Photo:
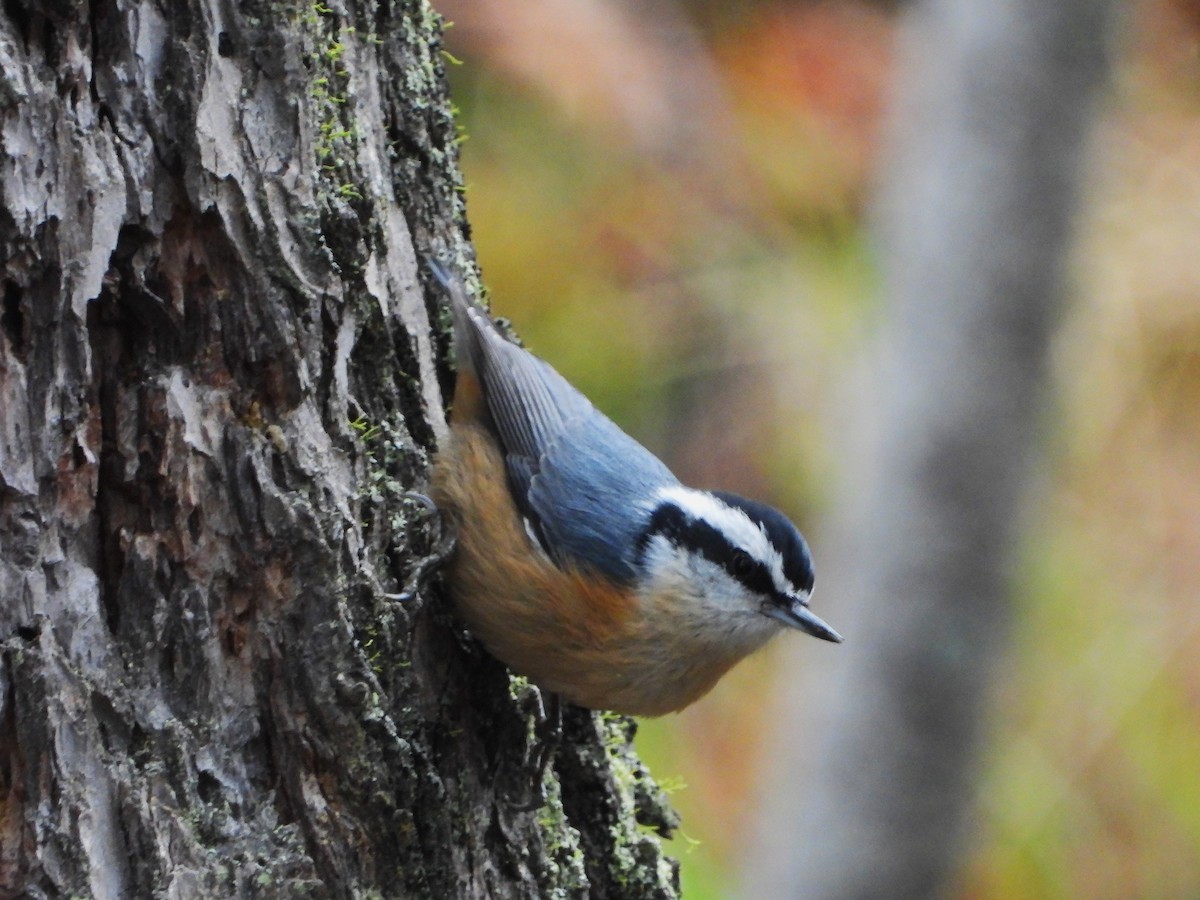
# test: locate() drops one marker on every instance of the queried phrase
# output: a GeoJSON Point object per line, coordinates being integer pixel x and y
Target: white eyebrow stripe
{"type": "Point", "coordinates": [741, 530]}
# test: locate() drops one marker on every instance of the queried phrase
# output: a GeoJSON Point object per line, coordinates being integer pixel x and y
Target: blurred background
{"type": "Point", "coordinates": [674, 202]}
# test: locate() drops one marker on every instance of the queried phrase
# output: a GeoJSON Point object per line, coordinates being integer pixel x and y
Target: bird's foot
{"type": "Point", "coordinates": [443, 544]}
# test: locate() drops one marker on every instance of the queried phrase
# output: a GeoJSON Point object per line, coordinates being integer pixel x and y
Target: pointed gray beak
{"type": "Point", "coordinates": [794, 613]}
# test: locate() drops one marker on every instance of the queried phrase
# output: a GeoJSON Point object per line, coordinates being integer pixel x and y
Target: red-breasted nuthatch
{"type": "Point", "coordinates": [581, 561]}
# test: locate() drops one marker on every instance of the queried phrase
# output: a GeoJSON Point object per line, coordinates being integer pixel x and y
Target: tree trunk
{"type": "Point", "coordinates": [870, 796]}
{"type": "Point", "coordinates": [219, 374]}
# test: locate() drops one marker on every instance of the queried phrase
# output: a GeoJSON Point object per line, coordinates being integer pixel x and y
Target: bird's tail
{"type": "Point", "coordinates": [469, 316]}
{"type": "Point", "coordinates": [471, 323]}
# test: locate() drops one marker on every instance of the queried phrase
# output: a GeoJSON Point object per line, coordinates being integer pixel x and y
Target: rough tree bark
{"type": "Point", "coordinates": [991, 125]}
{"type": "Point", "coordinates": [219, 373]}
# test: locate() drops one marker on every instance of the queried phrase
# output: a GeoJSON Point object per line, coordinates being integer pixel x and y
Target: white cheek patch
{"type": "Point", "coordinates": [689, 575]}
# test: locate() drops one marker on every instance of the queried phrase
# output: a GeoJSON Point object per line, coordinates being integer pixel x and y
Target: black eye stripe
{"type": "Point", "coordinates": [797, 562]}
{"type": "Point", "coordinates": [673, 523]}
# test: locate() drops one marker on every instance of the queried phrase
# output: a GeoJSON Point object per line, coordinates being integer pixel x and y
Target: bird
{"type": "Point", "coordinates": [580, 561]}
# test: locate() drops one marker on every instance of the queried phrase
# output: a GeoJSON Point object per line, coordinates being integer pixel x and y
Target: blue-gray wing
{"type": "Point", "coordinates": [582, 484]}
{"type": "Point", "coordinates": [529, 402]}
{"type": "Point", "coordinates": [593, 494]}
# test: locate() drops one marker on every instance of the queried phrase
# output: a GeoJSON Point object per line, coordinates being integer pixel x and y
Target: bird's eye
{"type": "Point", "coordinates": [741, 564]}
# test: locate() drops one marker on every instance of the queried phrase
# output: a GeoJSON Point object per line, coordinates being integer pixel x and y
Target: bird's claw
{"type": "Point", "coordinates": [548, 734]}
{"type": "Point", "coordinates": [443, 546]}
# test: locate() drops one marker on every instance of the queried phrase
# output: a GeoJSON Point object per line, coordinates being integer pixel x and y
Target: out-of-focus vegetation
{"type": "Point", "coordinates": [670, 202]}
